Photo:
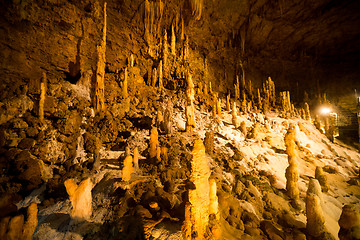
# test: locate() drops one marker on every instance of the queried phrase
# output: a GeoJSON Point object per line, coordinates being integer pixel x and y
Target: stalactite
{"type": "Point", "coordinates": [161, 75]}
{"type": "Point", "coordinates": [165, 52]}
{"type": "Point", "coordinates": [154, 77]}
{"type": "Point", "coordinates": [154, 142]}
{"type": "Point", "coordinates": [147, 22]}
{"type": "Point", "coordinates": [80, 198]}
{"type": "Point", "coordinates": [43, 86]}
{"type": "Point", "coordinates": [196, 7]}
{"type": "Point", "coordinates": [173, 41]}
{"type": "Point", "coordinates": [128, 168]}
{"type": "Point", "coordinates": [131, 60]}
{"type": "Point", "coordinates": [186, 48]}
{"type": "Point", "coordinates": [182, 35]}
{"type": "Point", "coordinates": [99, 100]}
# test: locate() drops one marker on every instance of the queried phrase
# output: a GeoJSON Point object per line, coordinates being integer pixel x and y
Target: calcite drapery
{"type": "Point", "coordinates": [80, 198]}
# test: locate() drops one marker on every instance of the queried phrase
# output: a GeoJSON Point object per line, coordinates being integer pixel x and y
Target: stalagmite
{"type": "Point", "coordinates": [349, 223]}
{"type": "Point", "coordinates": [314, 187]}
{"type": "Point", "coordinates": [243, 128]}
{"type": "Point", "coordinates": [235, 120]}
{"type": "Point", "coordinates": [31, 222]}
{"type": "Point", "coordinates": [99, 100]}
{"type": "Point", "coordinates": [128, 168]}
{"type": "Point", "coordinates": [314, 215]}
{"type": "Point", "coordinates": [132, 60]}
{"type": "Point", "coordinates": [218, 107]}
{"type": "Point", "coordinates": [214, 205]}
{"type": "Point", "coordinates": [322, 178]}
{"type": "Point", "coordinates": [15, 227]}
{"type": "Point", "coordinates": [173, 41]}
{"type": "Point", "coordinates": [125, 84]}
{"type": "Point", "coordinates": [80, 198]}
{"type": "Point", "coordinates": [291, 173]}
{"type": "Point", "coordinates": [160, 75]}
{"type": "Point", "coordinates": [228, 108]}
{"type": "Point", "coordinates": [43, 87]}
{"type": "Point", "coordinates": [199, 197]}
{"type": "Point", "coordinates": [243, 102]}
{"type": "Point", "coordinates": [307, 112]}
{"type": "Point", "coordinates": [259, 100]}
{"type": "Point", "coordinates": [136, 159]}
{"type": "Point", "coordinates": [154, 142]}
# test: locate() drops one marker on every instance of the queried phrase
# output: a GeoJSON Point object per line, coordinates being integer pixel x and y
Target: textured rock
{"type": "Point", "coordinates": [80, 198]}
{"type": "Point", "coordinates": [154, 143]}
{"type": "Point", "coordinates": [349, 223]}
{"type": "Point", "coordinates": [128, 168]}
{"type": "Point", "coordinates": [322, 178]}
{"type": "Point", "coordinates": [314, 215]}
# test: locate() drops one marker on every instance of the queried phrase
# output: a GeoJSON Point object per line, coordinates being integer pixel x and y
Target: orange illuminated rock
{"type": "Point", "coordinates": [154, 142]}
{"type": "Point", "coordinates": [235, 120]}
{"type": "Point", "coordinates": [80, 198]}
{"type": "Point", "coordinates": [199, 197]}
{"type": "Point", "coordinates": [128, 168]}
{"type": "Point", "coordinates": [228, 103]}
{"type": "Point", "coordinates": [349, 223]}
{"type": "Point", "coordinates": [314, 215]}
{"type": "Point", "coordinates": [322, 178]}
{"type": "Point", "coordinates": [43, 84]}
{"type": "Point", "coordinates": [31, 222]}
{"type": "Point", "coordinates": [214, 204]}
{"type": "Point", "coordinates": [136, 159]}
{"type": "Point", "coordinates": [291, 173]}
{"type": "Point", "coordinates": [190, 117]}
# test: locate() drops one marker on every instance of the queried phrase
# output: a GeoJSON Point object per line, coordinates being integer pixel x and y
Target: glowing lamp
{"type": "Point", "coordinates": [325, 110]}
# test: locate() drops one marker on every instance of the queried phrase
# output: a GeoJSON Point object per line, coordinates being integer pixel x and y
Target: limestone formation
{"type": "Point", "coordinates": [136, 159]}
{"type": "Point", "coordinates": [218, 107]}
{"type": "Point", "coordinates": [80, 198]}
{"type": "Point", "coordinates": [173, 41]}
{"type": "Point", "coordinates": [43, 87]}
{"type": "Point", "coordinates": [196, 8]}
{"type": "Point", "coordinates": [314, 188]}
{"type": "Point", "coordinates": [125, 84]}
{"type": "Point", "coordinates": [190, 117]}
{"type": "Point", "coordinates": [154, 143]}
{"type": "Point", "coordinates": [160, 75]}
{"type": "Point", "coordinates": [259, 100]}
{"type": "Point", "coordinates": [15, 228]}
{"type": "Point", "coordinates": [307, 112]}
{"type": "Point", "coordinates": [322, 178]}
{"type": "Point", "coordinates": [228, 109]}
{"type": "Point", "coordinates": [243, 128]}
{"type": "Point", "coordinates": [291, 173]}
{"type": "Point", "coordinates": [31, 222]}
{"type": "Point", "coordinates": [349, 223]}
{"type": "Point", "coordinates": [314, 215]}
{"type": "Point", "coordinates": [154, 77]}
{"type": "Point", "coordinates": [99, 100]}
{"type": "Point", "coordinates": [214, 205]}
{"type": "Point", "coordinates": [209, 142]}
{"type": "Point", "coordinates": [235, 120]}
{"type": "Point", "coordinates": [237, 88]}
{"type": "Point", "coordinates": [197, 213]}
{"type": "Point", "coordinates": [128, 168]}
